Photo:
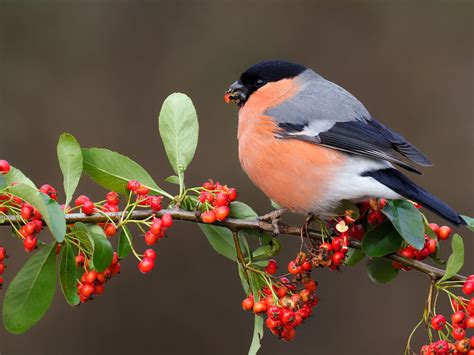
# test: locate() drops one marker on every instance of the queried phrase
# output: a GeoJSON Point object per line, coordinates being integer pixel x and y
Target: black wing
{"type": "Point", "coordinates": [364, 137]}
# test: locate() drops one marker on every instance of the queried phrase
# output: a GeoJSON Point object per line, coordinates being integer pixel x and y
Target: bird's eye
{"type": "Point", "coordinates": [260, 82]}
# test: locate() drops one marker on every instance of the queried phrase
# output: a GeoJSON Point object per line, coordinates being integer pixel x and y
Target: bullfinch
{"type": "Point", "coordinates": [308, 144]}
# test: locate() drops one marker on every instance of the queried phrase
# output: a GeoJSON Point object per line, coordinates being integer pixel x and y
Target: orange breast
{"type": "Point", "coordinates": [291, 172]}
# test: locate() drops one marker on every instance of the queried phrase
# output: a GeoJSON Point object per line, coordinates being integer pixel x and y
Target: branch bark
{"type": "Point", "coordinates": [236, 224]}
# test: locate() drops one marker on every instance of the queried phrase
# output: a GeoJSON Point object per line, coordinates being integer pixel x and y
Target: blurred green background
{"type": "Point", "coordinates": [101, 69]}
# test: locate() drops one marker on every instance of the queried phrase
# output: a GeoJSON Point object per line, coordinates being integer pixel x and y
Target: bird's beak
{"type": "Point", "coordinates": [237, 93]}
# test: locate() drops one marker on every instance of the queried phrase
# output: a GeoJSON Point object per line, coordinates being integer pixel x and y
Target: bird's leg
{"type": "Point", "coordinates": [309, 218]}
{"type": "Point", "coordinates": [273, 217]}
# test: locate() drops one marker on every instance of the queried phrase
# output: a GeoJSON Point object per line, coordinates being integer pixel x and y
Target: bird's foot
{"type": "Point", "coordinates": [309, 219]}
{"type": "Point", "coordinates": [273, 217]}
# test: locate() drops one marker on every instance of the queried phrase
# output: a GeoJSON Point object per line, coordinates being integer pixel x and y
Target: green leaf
{"type": "Point", "coordinates": [70, 162]}
{"type": "Point", "coordinates": [124, 246]}
{"type": "Point", "coordinates": [67, 275]}
{"type": "Point", "coordinates": [428, 231]}
{"type": "Point", "coordinates": [241, 210]}
{"type": "Point", "coordinates": [243, 280]}
{"type": "Point", "coordinates": [382, 240]}
{"type": "Point", "coordinates": [3, 182]}
{"type": "Point", "coordinates": [101, 247]}
{"type": "Point", "coordinates": [173, 179]}
{"type": "Point", "coordinates": [354, 256]}
{"type": "Point", "coordinates": [113, 171]}
{"type": "Point", "coordinates": [221, 240]}
{"type": "Point", "coordinates": [49, 209]}
{"type": "Point", "coordinates": [16, 176]}
{"type": "Point", "coordinates": [267, 251]}
{"type": "Point", "coordinates": [407, 220]}
{"type": "Point", "coordinates": [31, 291]}
{"type": "Point", "coordinates": [380, 270]}
{"type": "Point", "coordinates": [456, 259]}
{"type": "Point", "coordinates": [469, 221]}
{"type": "Point", "coordinates": [257, 335]}
{"type": "Point", "coordinates": [179, 130]}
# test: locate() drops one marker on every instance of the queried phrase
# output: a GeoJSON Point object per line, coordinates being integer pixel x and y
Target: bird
{"type": "Point", "coordinates": [309, 144]}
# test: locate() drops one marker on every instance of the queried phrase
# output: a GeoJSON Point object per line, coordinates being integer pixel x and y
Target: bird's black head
{"type": "Point", "coordinates": [259, 75]}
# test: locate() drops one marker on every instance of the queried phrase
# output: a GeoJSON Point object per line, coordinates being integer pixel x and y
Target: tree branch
{"type": "Point", "coordinates": [234, 225]}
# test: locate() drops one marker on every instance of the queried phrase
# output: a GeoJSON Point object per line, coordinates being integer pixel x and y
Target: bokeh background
{"type": "Point", "coordinates": [100, 70]}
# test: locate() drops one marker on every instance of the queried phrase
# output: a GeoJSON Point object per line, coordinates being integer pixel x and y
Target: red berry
{"type": "Point", "coordinates": [2, 268]}
{"type": "Point", "coordinates": [337, 258]}
{"type": "Point", "coordinates": [208, 217]}
{"type": "Point", "coordinates": [293, 268]}
{"type": "Point", "coordinates": [80, 200]}
{"type": "Point", "coordinates": [146, 265]}
{"type": "Point", "coordinates": [221, 199]}
{"type": "Point", "coordinates": [288, 317]}
{"type": "Point", "coordinates": [458, 318]}
{"type": "Point", "coordinates": [222, 212]}
{"type": "Point", "coordinates": [470, 322]}
{"type": "Point", "coordinates": [327, 246]}
{"type": "Point", "coordinates": [167, 220]}
{"type": "Point", "coordinates": [88, 207]}
{"type": "Point", "coordinates": [4, 167]}
{"type": "Point", "coordinates": [149, 254]}
{"type": "Point", "coordinates": [112, 198]}
{"type": "Point", "coordinates": [3, 253]}
{"type": "Point", "coordinates": [311, 286]}
{"type": "Point", "coordinates": [272, 324]}
{"type": "Point", "coordinates": [458, 333]}
{"type": "Point", "coordinates": [281, 292]}
{"type": "Point", "coordinates": [90, 276]}
{"type": "Point", "coordinates": [434, 227]}
{"type": "Point", "coordinates": [306, 266]}
{"type": "Point", "coordinates": [288, 334]}
{"type": "Point", "coordinates": [30, 243]}
{"type": "Point", "coordinates": [444, 232]}
{"type": "Point", "coordinates": [431, 246]}
{"type": "Point", "coordinates": [156, 227]}
{"type": "Point", "coordinates": [99, 289]}
{"type": "Point", "coordinates": [468, 287]}
{"type": "Point", "coordinates": [232, 194]}
{"type": "Point", "coordinates": [80, 260]}
{"type": "Point", "coordinates": [407, 253]}
{"type": "Point", "coordinates": [155, 203]}
{"type": "Point", "coordinates": [110, 230]}
{"type": "Point", "coordinates": [260, 307]}
{"type": "Point", "coordinates": [87, 290]}
{"type": "Point", "coordinates": [438, 322]}
{"type": "Point", "coordinates": [274, 312]}
{"type": "Point", "coordinates": [463, 346]}
{"type": "Point", "coordinates": [247, 303]}
{"type": "Point", "coordinates": [133, 185]}
{"type": "Point", "coordinates": [150, 238]}
{"type": "Point", "coordinates": [26, 212]}
{"type": "Point", "coordinates": [142, 190]}
{"type": "Point", "coordinates": [271, 267]}
{"type": "Point", "coordinates": [375, 217]}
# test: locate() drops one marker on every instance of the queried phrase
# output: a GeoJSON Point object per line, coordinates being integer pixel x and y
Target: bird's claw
{"type": "Point", "coordinates": [273, 217]}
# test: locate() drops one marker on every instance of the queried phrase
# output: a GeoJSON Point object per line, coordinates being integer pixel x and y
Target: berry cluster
{"type": "Point", "coordinates": [3, 256]}
{"type": "Point", "coordinates": [462, 319]}
{"type": "Point", "coordinates": [430, 247]}
{"type": "Point", "coordinates": [31, 219]}
{"type": "Point", "coordinates": [143, 197]}
{"type": "Point", "coordinates": [288, 303]}
{"type": "Point", "coordinates": [214, 200]}
{"type": "Point", "coordinates": [330, 253]}
{"type": "Point", "coordinates": [92, 282]}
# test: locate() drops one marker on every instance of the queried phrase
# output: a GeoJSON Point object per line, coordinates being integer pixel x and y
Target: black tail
{"type": "Point", "coordinates": [399, 183]}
